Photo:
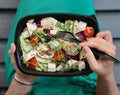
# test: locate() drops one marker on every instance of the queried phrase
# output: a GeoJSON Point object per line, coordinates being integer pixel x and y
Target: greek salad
{"type": "Point", "coordinates": [41, 51]}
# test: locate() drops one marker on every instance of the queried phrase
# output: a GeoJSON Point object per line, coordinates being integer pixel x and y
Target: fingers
{"type": "Point", "coordinates": [90, 57]}
{"type": "Point", "coordinates": [12, 49]}
{"type": "Point", "coordinates": [106, 35]}
{"type": "Point", "coordinates": [22, 76]}
{"type": "Point", "coordinates": [100, 44]}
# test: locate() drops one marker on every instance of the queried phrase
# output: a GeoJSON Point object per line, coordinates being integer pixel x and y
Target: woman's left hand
{"type": "Point", "coordinates": [103, 42]}
{"type": "Point", "coordinates": [19, 74]}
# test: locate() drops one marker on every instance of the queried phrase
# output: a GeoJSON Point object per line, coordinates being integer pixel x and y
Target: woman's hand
{"type": "Point", "coordinates": [103, 42]}
{"type": "Point", "coordinates": [19, 74]}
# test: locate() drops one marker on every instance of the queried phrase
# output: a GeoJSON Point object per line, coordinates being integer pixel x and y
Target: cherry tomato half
{"type": "Point", "coordinates": [88, 32]}
{"type": "Point", "coordinates": [32, 63]}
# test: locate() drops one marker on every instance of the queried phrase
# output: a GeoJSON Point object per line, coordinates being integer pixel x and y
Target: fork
{"type": "Point", "coordinates": [68, 36]}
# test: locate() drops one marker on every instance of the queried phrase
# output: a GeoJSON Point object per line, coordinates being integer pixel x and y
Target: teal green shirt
{"type": "Point", "coordinates": [76, 85]}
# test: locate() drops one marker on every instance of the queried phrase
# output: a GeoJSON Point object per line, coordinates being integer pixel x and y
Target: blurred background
{"type": "Point", "coordinates": [108, 14]}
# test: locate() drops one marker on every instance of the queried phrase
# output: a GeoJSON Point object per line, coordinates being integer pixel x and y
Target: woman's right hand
{"type": "Point", "coordinates": [21, 76]}
{"type": "Point", "coordinates": [103, 42]}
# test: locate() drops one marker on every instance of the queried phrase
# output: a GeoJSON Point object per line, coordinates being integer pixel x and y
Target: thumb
{"type": "Point", "coordinates": [11, 54]}
{"type": "Point", "coordinates": [90, 57]}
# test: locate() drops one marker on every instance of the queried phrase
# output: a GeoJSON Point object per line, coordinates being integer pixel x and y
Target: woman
{"type": "Point", "coordinates": [21, 84]}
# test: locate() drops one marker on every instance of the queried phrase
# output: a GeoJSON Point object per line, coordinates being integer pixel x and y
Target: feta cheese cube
{"type": "Point", "coordinates": [82, 25]}
{"type": "Point", "coordinates": [51, 67]}
{"type": "Point", "coordinates": [81, 65]}
{"type": "Point", "coordinates": [31, 28]}
{"type": "Point", "coordinates": [59, 68]}
{"type": "Point", "coordinates": [79, 26]}
{"type": "Point", "coordinates": [72, 62]}
{"type": "Point", "coordinates": [53, 32]}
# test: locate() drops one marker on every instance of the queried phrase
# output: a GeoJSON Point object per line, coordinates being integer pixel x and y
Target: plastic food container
{"type": "Point", "coordinates": [90, 20]}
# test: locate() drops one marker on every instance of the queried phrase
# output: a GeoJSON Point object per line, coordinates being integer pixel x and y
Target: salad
{"type": "Point", "coordinates": [42, 51]}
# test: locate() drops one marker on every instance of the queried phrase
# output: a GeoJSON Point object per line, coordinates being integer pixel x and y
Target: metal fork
{"type": "Point", "coordinates": [68, 36]}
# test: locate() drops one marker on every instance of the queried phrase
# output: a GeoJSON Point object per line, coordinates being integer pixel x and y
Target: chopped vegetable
{"type": "Point", "coordinates": [51, 67]}
{"type": "Point", "coordinates": [31, 28]}
{"type": "Point", "coordinates": [69, 25]}
{"type": "Point", "coordinates": [70, 48]}
{"type": "Point", "coordinates": [58, 55]}
{"type": "Point", "coordinates": [88, 32]}
{"type": "Point", "coordinates": [79, 26]}
{"type": "Point", "coordinates": [25, 45]}
{"type": "Point", "coordinates": [29, 55]}
{"type": "Point", "coordinates": [81, 36]}
{"type": "Point", "coordinates": [34, 39]}
{"type": "Point", "coordinates": [81, 65]}
{"type": "Point", "coordinates": [32, 63]}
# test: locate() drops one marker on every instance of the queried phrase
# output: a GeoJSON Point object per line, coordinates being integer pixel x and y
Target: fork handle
{"type": "Point", "coordinates": [104, 55]}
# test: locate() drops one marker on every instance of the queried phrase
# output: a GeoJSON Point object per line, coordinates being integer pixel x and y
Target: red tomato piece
{"type": "Point", "coordinates": [88, 32]}
{"type": "Point", "coordinates": [34, 39]}
{"type": "Point", "coordinates": [58, 55]}
{"type": "Point", "coordinates": [32, 63]}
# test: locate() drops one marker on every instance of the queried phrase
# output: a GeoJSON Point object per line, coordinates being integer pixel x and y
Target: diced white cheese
{"type": "Point", "coordinates": [81, 65]}
{"type": "Point", "coordinates": [79, 26]}
{"type": "Point", "coordinates": [31, 28]}
{"type": "Point", "coordinates": [30, 55]}
{"type": "Point", "coordinates": [51, 67]}
{"type": "Point", "coordinates": [53, 32]}
{"type": "Point", "coordinates": [59, 68]}
{"type": "Point", "coordinates": [82, 25]}
{"type": "Point", "coordinates": [72, 62]}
